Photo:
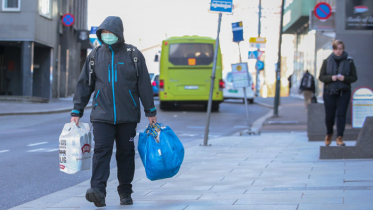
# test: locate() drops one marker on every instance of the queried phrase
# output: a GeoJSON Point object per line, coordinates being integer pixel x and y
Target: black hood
{"type": "Point", "coordinates": [114, 25]}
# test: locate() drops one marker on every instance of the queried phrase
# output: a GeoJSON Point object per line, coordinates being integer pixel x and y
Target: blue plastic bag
{"type": "Point", "coordinates": [161, 152]}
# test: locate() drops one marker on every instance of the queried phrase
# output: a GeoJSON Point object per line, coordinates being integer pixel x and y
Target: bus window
{"type": "Point", "coordinates": [181, 53]}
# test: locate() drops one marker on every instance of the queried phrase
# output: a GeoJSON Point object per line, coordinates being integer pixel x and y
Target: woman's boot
{"type": "Point", "coordinates": [340, 142]}
{"type": "Point", "coordinates": [328, 139]}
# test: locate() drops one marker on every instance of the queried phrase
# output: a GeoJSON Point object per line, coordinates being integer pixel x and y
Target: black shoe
{"type": "Point", "coordinates": [95, 196]}
{"type": "Point", "coordinates": [125, 199]}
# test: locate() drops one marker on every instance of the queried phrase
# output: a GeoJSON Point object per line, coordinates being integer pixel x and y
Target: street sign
{"type": "Point", "coordinates": [93, 37]}
{"type": "Point", "coordinates": [259, 65]}
{"type": "Point", "coordinates": [362, 106]}
{"type": "Point", "coordinates": [237, 31]}
{"type": "Point", "coordinates": [257, 40]}
{"type": "Point", "coordinates": [322, 10]}
{"type": "Point", "coordinates": [221, 6]}
{"type": "Point", "coordinates": [240, 75]}
{"type": "Point", "coordinates": [68, 20]}
{"type": "Point", "coordinates": [255, 54]}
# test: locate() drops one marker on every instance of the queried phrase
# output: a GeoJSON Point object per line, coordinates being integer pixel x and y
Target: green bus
{"type": "Point", "coordinates": [185, 72]}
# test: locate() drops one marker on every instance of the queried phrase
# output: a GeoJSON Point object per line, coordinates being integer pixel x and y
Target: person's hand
{"type": "Point", "coordinates": [334, 77]}
{"type": "Point", "coordinates": [152, 120]}
{"type": "Point", "coordinates": [341, 78]}
{"type": "Point", "coordinates": [76, 120]}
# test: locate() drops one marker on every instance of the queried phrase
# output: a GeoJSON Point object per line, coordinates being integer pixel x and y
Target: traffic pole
{"type": "Point", "coordinates": [244, 94]}
{"type": "Point", "coordinates": [257, 85]}
{"type": "Point", "coordinates": [206, 137]}
{"type": "Point", "coordinates": [278, 70]}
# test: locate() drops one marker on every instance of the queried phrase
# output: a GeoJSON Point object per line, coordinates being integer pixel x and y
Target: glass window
{"type": "Point", "coordinates": [45, 8]}
{"type": "Point", "coordinates": [191, 54]}
{"type": "Point", "coordinates": [11, 5]}
{"type": "Point", "coordinates": [151, 75]}
{"type": "Point", "coordinates": [156, 78]}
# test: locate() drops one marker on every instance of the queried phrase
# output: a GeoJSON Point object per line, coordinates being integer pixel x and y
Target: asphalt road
{"type": "Point", "coordinates": [29, 162]}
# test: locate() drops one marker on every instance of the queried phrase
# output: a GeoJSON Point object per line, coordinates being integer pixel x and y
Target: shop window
{"type": "Point", "coordinates": [12, 5]}
{"type": "Point", "coordinates": [45, 8]}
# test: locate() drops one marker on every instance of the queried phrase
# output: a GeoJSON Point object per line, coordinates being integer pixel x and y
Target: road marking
{"type": "Point", "coordinates": [186, 134]}
{"type": "Point", "coordinates": [35, 150]}
{"type": "Point", "coordinates": [35, 144]}
{"type": "Point", "coordinates": [2, 151]}
{"type": "Point", "coordinates": [52, 150]}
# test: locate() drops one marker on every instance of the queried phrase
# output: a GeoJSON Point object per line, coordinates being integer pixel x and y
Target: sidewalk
{"type": "Point", "coordinates": [268, 171]}
{"type": "Point", "coordinates": [54, 106]}
{"type": "Point", "coordinates": [292, 115]}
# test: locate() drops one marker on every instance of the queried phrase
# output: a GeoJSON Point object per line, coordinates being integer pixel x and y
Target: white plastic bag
{"type": "Point", "coordinates": [75, 148]}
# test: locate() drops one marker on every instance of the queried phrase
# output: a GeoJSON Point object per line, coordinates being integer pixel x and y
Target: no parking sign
{"type": "Point", "coordinates": [322, 11]}
{"type": "Point", "coordinates": [68, 20]}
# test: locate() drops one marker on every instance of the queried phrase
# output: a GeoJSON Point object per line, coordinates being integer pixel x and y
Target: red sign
{"type": "Point", "coordinates": [86, 148]}
{"type": "Point", "coordinates": [322, 11]}
{"type": "Point", "coordinates": [68, 20]}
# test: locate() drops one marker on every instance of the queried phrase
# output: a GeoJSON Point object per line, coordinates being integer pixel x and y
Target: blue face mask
{"type": "Point", "coordinates": [109, 38]}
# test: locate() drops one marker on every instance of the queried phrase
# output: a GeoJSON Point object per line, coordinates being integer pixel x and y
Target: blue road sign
{"type": "Point", "coordinates": [237, 31]}
{"type": "Point", "coordinates": [93, 37]}
{"type": "Point", "coordinates": [255, 54]}
{"type": "Point", "coordinates": [259, 65]}
{"type": "Point", "coordinates": [93, 30]}
{"type": "Point", "coordinates": [221, 6]}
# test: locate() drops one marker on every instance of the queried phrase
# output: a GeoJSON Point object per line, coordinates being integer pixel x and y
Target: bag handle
{"type": "Point", "coordinates": [153, 129]}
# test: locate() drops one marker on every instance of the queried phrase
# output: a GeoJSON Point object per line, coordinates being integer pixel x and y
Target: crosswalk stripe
{"type": "Point", "coordinates": [35, 144]}
{"type": "Point", "coordinates": [35, 150]}
{"type": "Point", "coordinates": [2, 151]}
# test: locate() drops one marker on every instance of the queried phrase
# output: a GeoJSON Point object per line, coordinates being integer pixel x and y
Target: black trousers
{"type": "Point", "coordinates": [336, 104]}
{"type": "Point", "coordinates": [104, 136]}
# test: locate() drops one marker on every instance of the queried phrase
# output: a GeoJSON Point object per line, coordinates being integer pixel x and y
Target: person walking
{"type": "Point", "coordinates": [337, 73]}
{"type": "Point", "coordinates": [118, 85]}
{"type": "Point", "coordinates": [307, 86]}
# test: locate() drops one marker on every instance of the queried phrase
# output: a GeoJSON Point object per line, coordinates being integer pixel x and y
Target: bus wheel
{"type": "Point", "coordinates": [164, 105]}
{"type": "Point", "coordinates": [215, 107]}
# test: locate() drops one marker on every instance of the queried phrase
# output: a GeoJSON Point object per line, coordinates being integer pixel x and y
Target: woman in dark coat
{"type": "Point", "coordinates": [338, 71]}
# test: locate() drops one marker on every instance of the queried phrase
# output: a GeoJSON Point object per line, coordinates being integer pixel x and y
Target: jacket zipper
{"type": "Point", "coordinates": [112, 78]}
{"type": "Point", "coordinates": [132, 98]}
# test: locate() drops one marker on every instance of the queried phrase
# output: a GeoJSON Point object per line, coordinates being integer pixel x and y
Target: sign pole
{"type": "Point", "coordinates": [278, 70]}
{"type": "Point", "coordinates": [205, 141]}
{"type": "Point", "coordinates": [257, 85]}
{"type": "Point", "coordinates": [244, 95]}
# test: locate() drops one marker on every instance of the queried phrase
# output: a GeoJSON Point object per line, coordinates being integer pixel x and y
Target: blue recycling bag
{"type": "Point", "coordinates": [161, 152]}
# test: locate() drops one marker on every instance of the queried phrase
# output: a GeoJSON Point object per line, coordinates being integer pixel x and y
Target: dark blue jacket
{"type": "Point", "coordinates": [117, 87]}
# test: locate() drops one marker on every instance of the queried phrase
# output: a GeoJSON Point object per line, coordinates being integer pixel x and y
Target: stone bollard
{"type": "Point", "coordinates": [362, 149]}
{"type": "Point", "coordinates": [316, 129]}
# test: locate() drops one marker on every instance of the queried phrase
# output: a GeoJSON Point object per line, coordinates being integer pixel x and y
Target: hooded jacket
{"type": "Point", "coordinates": [116, 86]}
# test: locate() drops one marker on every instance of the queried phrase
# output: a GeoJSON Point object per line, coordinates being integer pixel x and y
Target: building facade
{"type": "Point", "coordinates": [39, 56]}
{"type": "Point", "coordinates": [351, 21]}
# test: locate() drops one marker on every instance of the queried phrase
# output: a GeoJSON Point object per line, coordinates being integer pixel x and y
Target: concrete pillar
{"type": "Point", "coordinates": [27, 60]}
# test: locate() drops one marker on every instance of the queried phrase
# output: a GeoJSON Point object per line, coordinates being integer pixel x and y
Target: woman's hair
{"type": "Point", "coordinates": [336, 43]}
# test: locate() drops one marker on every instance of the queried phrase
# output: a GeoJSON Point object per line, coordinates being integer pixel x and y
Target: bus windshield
{"type": "Point", "coordinates": [201, 54]}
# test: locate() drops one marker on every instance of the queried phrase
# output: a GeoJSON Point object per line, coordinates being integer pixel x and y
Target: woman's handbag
{"type": "Point", "coordinates": [161, 152]}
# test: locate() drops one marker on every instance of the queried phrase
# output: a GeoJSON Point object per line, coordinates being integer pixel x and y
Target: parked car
{"type": "Point", "coordinates": [229, 92]}
{"type": "Point", "coordinates": [154, 79]}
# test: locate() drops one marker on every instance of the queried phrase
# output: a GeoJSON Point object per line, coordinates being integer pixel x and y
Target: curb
{"type": "Point", "coordinates": [264, 104]}
{"type": "Point", "coordinates": [41, 112]}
